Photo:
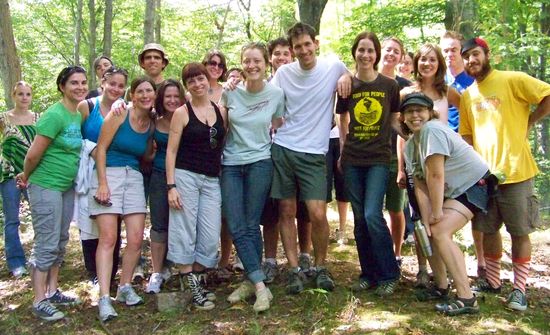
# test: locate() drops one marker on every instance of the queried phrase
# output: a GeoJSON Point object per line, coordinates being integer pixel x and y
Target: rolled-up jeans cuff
{"type": "Point", "coordinates": [256, 276]}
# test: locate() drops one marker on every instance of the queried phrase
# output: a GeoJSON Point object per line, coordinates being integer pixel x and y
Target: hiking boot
{"type": "Point", "coordinates": [517, 300]}
{"type": "Point", "coordinates": [126, 294]}
{"type": "Point", "coordinates": [192, 284]}
{"type": "Point", "coordinates": [243, 292]}
{"type": "Point", "coordinates": [432, 293]}
{"type": "Point", "coordinates": [324, 279]}
{"type": "Point", "coordinates": [422, 279]}
{"type": "Point", "coordinates": [295, 282]}
{"type": "Point", "coordinates": [46, 311]}
{"type": "Point", "coordinates": [155, 282]}
{"type": "Point", "coordinates": [387, 288]}
{"type": "Point", "coordinates": [362, 285]}
{"type": "Point", "coordinates": [458, 306]}
{"type": "Point", "coordinates": [106, 310]}
{"type": "Point", "coordinates": [263, 300]}
{"type": "Point", "coordinates": [483, 285]}
{"type": "Point", "coordinates": [271, 271]}
{"type": "Point", "coordinates": [304, 262]}
{"type": "Point", "coordinates": [60, 299]}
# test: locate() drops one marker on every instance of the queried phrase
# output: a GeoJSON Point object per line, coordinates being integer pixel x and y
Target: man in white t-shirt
{"type": "Point", "coordinates": [300, 146]}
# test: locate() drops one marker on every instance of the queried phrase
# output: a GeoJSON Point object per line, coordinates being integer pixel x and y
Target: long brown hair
{"type": "Point", "coordinates": [439, 80]}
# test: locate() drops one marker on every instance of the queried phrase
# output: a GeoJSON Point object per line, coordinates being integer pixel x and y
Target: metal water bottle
{"type": "Point", "coordinates": [422, 238]}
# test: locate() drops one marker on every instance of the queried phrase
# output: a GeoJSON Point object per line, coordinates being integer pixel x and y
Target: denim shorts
{"type": "Point", "coordinates": [158, 205]}
{"type": "Point", "coordinates": [476, 198]}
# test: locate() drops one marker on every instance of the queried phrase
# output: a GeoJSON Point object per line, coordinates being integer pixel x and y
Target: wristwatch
{"type": "Point", "coordinates": [170, 186]}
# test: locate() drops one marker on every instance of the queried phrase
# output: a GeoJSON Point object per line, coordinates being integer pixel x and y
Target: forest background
{"type": "Point", "coordinates": [39, 37]}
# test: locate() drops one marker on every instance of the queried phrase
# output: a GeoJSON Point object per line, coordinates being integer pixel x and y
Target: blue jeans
{"type": "Point", "coordinates": [11, 197]}
{"type": "Point", "coordinates": [366, 187]}
{"type": "Point", "coordinates": [244, 191]}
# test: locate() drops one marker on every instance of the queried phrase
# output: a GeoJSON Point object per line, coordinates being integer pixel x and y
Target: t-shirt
{"type": "Point", "coordinates": [460, 83]}
{"type": "Point", "coordinates": [59, 163]}
{"type": "Point", "coordinates": [14, 144]}
{"type": "Point", "coordinates": [463, 166]}
{"type": "Point", "coordinates": [309, 102]}
{"type": "Point", "coordinates": [250, 116]}
{"type": "Point", "coordinates": [495, 113]}
{"type": "Point", "coordinates": [370, 108]}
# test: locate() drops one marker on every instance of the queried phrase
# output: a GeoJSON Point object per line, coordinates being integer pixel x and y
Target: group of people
{"type": "Point", "coordinates": [254, 152]}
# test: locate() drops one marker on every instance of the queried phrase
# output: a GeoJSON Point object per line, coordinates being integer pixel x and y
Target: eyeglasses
{"type": "Point", "coordinates": [213, 141]}
{"type": "Point", "coordinates": [214, 64]}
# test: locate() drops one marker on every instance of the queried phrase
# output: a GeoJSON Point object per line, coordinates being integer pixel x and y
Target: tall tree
{"type": "Point", "coordinates": [149, 22]}
{"type": "Point", "coordinates": [10, 69]}
{"type": "Point", "coordinates": [77, 32]}
{"type": "Point", "coordinates": [92, 41]}
{"type": "Point", "coordinates": [108, 28]}
{"type": "Point", "coordinates": [461, 16]}
{"type": "Point", "coordinates": [158, 21]}
{"type": "Point", "coordinates": [310, 12]}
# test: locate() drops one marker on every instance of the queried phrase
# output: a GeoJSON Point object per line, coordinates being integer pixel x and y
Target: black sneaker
{"type": "Point", "coordinates": [62, 300]}
{"type": "Point", "coordinates": [387, 288]}
{"type": "Point", "coordinates": [191, 283]}
{"type": "Point", "coordinates": [482, 285]}
{"type": "Point", "coordinates": [295, 282]}
{"type": "Point", "coordinates": [46, 311]}
{"type": "Point", "coordinates": [362, 285]}
{"type": "Point", "coordinates": [324, 279]}
{"type": "Point", "coordinates": [432, 293]}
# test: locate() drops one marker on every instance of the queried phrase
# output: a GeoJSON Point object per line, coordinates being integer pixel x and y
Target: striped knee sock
{"type": "Point", "coordinates": [521, 272]}
{"type": "Point", "coordinates": [493, 270]}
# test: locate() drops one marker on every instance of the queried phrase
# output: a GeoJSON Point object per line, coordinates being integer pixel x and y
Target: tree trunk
{"type": "Point", "coordinates": [108, 28]}
{"type": "Point", "coordinates": [92, 42]}
{"type": "Point", "coordinates": [461, 16]}
{"type": "Point", "coordinates": [158, 22]}
{"type": "Point", "coordinates": [77, 32]}
{"type": "Point", "coordinates": [310, 12]}
{"type": "Point", "coordinates": [149, 22]}
{"type": "Point", "coordinates": [245, 11]}
{"type": "Point", "coordinates": [221, 26]}
{"type": "Point", "coordinates": [545, 123]}
{"type": "Point", "coordinates": [10, 69]}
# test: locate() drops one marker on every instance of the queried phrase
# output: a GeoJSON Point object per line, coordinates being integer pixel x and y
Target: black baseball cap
{"type": "Point", "coordinates": [416, 98]}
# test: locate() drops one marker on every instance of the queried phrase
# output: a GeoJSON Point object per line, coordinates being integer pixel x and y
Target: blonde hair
{"type": "Point", "coordinates": [20, 83]}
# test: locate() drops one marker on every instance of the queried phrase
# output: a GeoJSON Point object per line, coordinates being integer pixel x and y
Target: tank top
{"type": "Point", "coordinates": [92, 126]}
{"type": "Point", "coordinates": [127, 146]}
{"type": "Point", "coordinates": [201, 146]}
{"type": "Point", "coordinates": [161, 139]}
{"type": "Point", "coordinates": [15, 143]}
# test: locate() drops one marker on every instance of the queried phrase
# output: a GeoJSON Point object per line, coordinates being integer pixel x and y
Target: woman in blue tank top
{"type": "Point", "coordinates": [117, 189]}
{"type": "Point", "coordinates": [193, 162]}
{"type": "Point", "coordinates": [93, 111]}
{"type": "Point", "coordinates": [170, 96]}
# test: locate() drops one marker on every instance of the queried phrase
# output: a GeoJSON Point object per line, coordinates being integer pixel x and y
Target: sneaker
{"type": "Point", "coordinates": [166, 273]}
{"type": "Point", "coordinates": [106, 310]}
{"type": "Point", "coordinates": [191, 283]}
{"type": "Point", "coordinates": [409, 240]}
{"type": "Point", "coordinates": [243, 292]}
{"type": "Point", "coordinates": [263, 300]}
{"type": "Point", "coordinates": [20, 272]}
{"type": "Point", "coordinates": [483, 285]}
{"type": "Point", "coordinates": [458, 306]}
{"type": "Point", "coordinates": [238, 265]}
{"type": "Point", "coordinates": [202, 276]}
{"type": "Point", "coordinates": [138, 273]}
{"type": "Point", "coordinates": [60, 299]}
{"type": "Point", "coordinates": [341, 238]}
{"type": "Point", "coordinates": [422, 279]}
{"type": "Point", "coordinates": [432, 293]}
{"type": "Point", "coordinates": [271, 271]}
{"type": "Point", "coordinates": [295, 282]}
{"type": "Point", "coordinates": [517, 300]}
{"type": "Point", "coordinates": [126, 294]}
{"type": "Point", "coordinates": [304, 262]}
{"type": "Point", "coordinates": [324, 279]}
{"type": "Point", "coordinates": [362, 285]}
{"type": "Point", "coordinates": [46, 311]}
{"type": "Point", "coordinates": [386, 289]}
{"type": "Point", "coordinates": [155, 281]}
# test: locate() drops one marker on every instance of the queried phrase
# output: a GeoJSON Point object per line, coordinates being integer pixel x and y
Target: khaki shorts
{"type": "Point", "coordinates": [515, 205]}
{"type": "Point", "coordinates": [295, 169]}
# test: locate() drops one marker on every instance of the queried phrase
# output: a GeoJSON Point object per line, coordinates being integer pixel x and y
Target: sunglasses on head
{"type": "Point", "coordinates": [214, 63]}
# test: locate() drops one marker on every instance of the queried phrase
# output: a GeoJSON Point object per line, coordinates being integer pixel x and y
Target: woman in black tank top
{"type": "Point", "coordinates": [193, 162]}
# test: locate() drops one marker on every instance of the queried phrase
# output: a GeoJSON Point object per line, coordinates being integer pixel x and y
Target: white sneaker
{"type": "Point", "coordinates": [155, 281]}
{"type": "Point", "coordinates": [243, 292]}
{"type": "Point", "coordinates": [106, 310]}
{"type": "Point", "coordinates": [263, 299]}
{"type": "Point", "coordinates": [19, 272]}
{"type": "Point", "coordinates": [127, 295]}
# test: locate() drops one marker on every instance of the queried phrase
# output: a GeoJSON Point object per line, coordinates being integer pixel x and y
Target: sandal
{"type": "Point", "coordinates": [432, 293]}
{"type": "Point", "coordinates": [458, 306]}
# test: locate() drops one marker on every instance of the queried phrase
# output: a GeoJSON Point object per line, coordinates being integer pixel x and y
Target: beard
{"type": "Point", "coordinates": [482, 73]}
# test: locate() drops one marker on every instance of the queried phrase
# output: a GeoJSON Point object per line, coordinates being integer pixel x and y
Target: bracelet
{"type": "Point", "coordinates": [170, 186]}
